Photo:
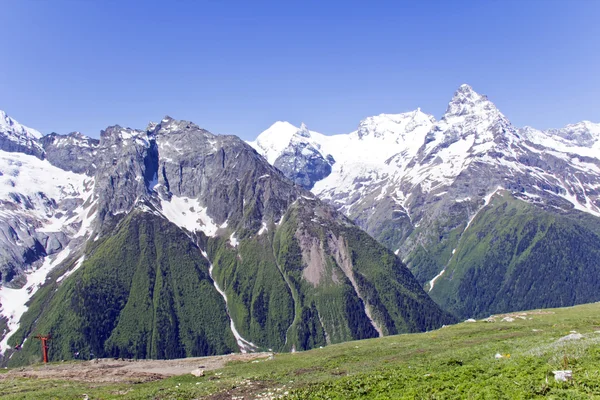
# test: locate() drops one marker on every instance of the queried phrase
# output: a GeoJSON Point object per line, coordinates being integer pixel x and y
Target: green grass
{"type": "Point", "coordinates": [453, 362]}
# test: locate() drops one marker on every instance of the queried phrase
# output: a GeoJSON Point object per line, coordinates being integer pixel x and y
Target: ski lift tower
{"type": "Point", "coordinates": [44, 339]}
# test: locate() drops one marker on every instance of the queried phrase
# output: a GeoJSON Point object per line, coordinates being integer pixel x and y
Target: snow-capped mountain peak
{"type": "Point", "coordinates": [15, 137]}
{"type": "Point", "coordinates": [8, 124]}
{"type": "Point", "coordinates": [275, 139]}
{"type": "Point", "coordinates": [584, 133]}
{"type": "Point", "coordinates": [394, 126]}
{"type": "Point", "coordinates": [303, 131]}
{"type": "Point", "coordinates": [466, 102]}
{"type": "Point", "coordinates": [472, 117]}
{"type": "Point", "coordinates": [582, 138]}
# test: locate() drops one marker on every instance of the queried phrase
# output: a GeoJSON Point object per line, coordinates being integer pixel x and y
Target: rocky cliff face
{"type": "Point", "coordinates": [295, 153]}
{"type": "Point", "coordinates": [74, 152]}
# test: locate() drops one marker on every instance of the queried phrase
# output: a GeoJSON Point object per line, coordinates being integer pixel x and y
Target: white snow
{"type": "Point", "coordinates": [41, 188]}
{"type": "Point", "coordinates": [244, 345]}
{"type": "Point", "coordinates": [263, 228]}
{"type": "Point", "coordinates": [189, 214]}
{"type": "Point", "coordinates": [274, 140]}
{"type": "Point", "coordinates": [31, 177]}
{"type": "Point", "coordinates": [435, 278]}
{"type": "Point", "coordinates": [72, 270]}
{"type": "Point", "coordinates": [15, 131]}
{"type": "Point", "coordinates": [359, 154]}
{"type": "Point", "coordinates": [13, 301]}
{"type": "Point", "coordinates": [233, 240]}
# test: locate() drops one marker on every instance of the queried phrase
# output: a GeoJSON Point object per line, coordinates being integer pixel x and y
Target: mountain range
{"type": "Point", "coordinates": [488, 217]}
{"type": "Point", "coordinates": [170, 241]}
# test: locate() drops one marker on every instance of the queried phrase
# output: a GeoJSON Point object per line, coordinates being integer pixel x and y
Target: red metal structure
{"type": "Point", "coordinates": [44, 340]}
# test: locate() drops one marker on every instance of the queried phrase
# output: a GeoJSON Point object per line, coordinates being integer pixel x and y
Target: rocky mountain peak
{"type": "Point", "coordinates": [303, 131]}
{"type": "Point", "coordinates": [71, 152]}
{"type": "Point", "coordinates": [118, 134]}
{"type": "Point", "coordinates": [471, 115]}
{"type": "Point", "coordinates": [151, 126]}
{"type": "Point", "coordinates": [467, 101]}
{"type": "Point", "coordinates": [169, 125]}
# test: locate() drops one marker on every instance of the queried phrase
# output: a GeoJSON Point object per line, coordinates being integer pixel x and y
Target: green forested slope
{"type": "Point", "coordinates": [517, 256]}
{"type": "Point", "coordinates": [275, 305]}
{"type": "Point", "coordinates": [143, 292]}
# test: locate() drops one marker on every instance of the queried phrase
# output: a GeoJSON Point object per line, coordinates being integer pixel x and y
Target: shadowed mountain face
{"type": "Point", "coordinates": [417, 185]}
{"type": "Point", "coordinates": [178, 242]}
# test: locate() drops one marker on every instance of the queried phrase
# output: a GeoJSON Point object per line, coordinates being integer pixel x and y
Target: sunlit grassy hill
{"type": "Point", "coordinates": [458, 361]}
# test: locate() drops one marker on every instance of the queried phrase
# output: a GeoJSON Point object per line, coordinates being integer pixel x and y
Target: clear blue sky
{"type": "Point", "coordinates": [238, 67]}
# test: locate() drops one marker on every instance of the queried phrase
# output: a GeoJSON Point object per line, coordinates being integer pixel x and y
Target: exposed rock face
{"type": "Point", "coordinates": [304, 165]}
{"type": "Point", "coordinates": [74, 152]}
{"type": "Point", "coordinates": [22, 247]}
{"type": "Point", "coordinates": [225, 174]}
{"type": "Point", "coordinates": [121, 175]}
{"type": "Point", "coordinates": [295, 152]}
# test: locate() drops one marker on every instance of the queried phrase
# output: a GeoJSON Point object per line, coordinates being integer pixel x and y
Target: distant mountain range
{"type": "Point", "coordinates": [489, 217]}
{"type": "Point", "coordinates": [171, 242]}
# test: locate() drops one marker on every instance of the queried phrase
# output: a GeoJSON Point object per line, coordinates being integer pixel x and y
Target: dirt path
{"type": "Point", "coordinates": [111, 370]}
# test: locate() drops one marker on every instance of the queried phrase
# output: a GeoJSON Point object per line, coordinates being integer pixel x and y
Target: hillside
{"type": "Point", "coordinates": [454, 362]}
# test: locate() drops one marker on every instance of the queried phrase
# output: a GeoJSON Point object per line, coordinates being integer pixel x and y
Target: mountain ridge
{"type": "Point", "coordinates": [253, 238]}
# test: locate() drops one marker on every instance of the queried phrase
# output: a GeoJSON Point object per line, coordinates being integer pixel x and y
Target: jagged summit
{"type": "Point", "coordinates": [582, 138]}
{"type": "Point", "coordinates": [303, 131]}
{"type": "Point", "coordinates": [467, 101]}
{"type": "Point", "coordinates": [170, 125]}
{"type": "Point", "coordinates": [584, 132]}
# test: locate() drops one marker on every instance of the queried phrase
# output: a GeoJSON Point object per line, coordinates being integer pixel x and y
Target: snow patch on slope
{"type": "Point", "coordinates": [244, 345]}
{"type": "Point", "coordinates": [189, 214]}
{"type": "Point", "coordinates": [435, 278]}
{"type": "Point", "coordinates": [13, 301]}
